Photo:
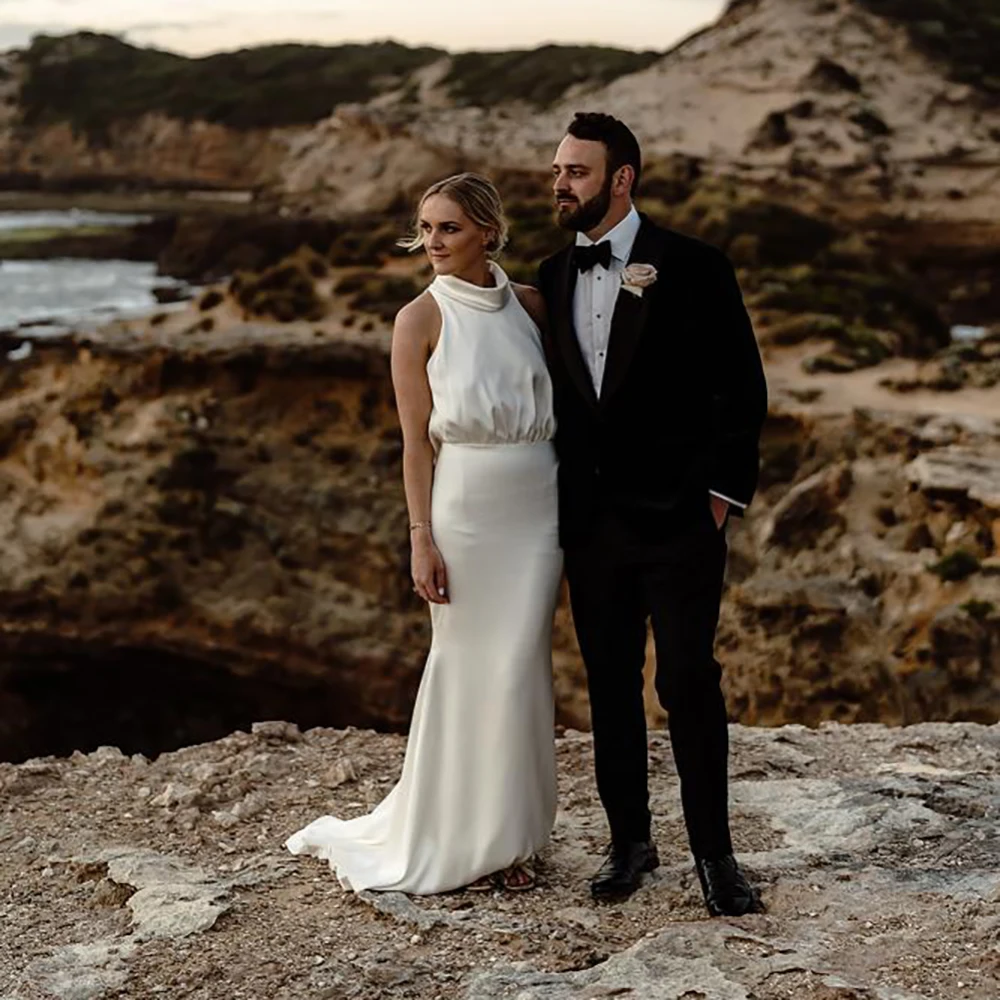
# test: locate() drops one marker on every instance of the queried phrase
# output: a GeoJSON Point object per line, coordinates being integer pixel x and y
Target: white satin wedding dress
{"type": "Point", "coordinates": [478, 787]}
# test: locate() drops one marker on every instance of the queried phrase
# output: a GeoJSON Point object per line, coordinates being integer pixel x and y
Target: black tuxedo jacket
{"type": "Point", "coordinates": [682, 401]}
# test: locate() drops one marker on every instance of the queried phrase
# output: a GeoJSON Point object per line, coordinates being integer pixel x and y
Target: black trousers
{"type": "Point", "coordinates": [616, 583]}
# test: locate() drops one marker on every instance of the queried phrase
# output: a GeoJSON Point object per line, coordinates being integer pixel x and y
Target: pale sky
{"type": "Point", "coordinates": [199, 26]}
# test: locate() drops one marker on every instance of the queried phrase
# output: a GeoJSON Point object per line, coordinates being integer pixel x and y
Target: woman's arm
{"type": "Point", "coordinates": [417, 328]}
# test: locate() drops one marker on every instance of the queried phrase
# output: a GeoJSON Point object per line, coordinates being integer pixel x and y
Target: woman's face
{"type": "Point", "coordinates": [453, 242]}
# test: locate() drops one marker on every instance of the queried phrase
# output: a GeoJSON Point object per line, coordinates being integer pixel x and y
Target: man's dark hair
{"type": "Point", "coordinates": [617, 137]}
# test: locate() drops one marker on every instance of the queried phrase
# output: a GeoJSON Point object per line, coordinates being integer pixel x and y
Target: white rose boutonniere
{"type": "Point", "coordinates": [638, 277]}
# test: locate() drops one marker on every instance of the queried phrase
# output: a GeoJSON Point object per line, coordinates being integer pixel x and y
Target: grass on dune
{"type": "Point", "coordinates": [41, 234]}
{"type": "Point", "coordinates": [963, 34]}
{"type": "Point", "coordinates": [94, 81]}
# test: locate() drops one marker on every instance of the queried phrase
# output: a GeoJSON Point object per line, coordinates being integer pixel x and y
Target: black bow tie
{"type": "Point", "coordinates": [586, 257]}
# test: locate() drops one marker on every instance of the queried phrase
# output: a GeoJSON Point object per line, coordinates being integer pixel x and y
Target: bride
{"type": "Point", "coordinates": [477, 796]}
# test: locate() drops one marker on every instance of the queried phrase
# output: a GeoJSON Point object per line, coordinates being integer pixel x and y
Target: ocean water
{"type": "Point", "coordinates": [71, 219]}
{"type": "Point", "coordinates": [46, 297]}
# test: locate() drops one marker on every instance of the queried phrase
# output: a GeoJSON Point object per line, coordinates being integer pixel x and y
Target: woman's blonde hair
{"type": "Point", "coordinates": [478, 198]}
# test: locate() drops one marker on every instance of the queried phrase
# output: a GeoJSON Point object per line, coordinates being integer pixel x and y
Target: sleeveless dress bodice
{"type": "Point", "coordinates": [488, 379]}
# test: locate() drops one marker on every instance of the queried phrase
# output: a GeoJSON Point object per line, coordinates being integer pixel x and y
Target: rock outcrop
{"type": "Point", "coordinates": [876, 849]}
{"type": "Point", "coordinates": [203, 524]}
{"type": "Point", "coordinates": [184, 519]}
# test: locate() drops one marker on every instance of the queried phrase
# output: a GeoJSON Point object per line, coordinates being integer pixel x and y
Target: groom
{"type": "Point", "coordinates": [660, 397]}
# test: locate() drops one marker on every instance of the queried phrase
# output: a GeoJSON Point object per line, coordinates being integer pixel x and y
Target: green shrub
{"type": "Point", "coordinates": [538, 76]}
{"type": "Point", "coordinates": [670, 181]}
{"type": "Point", "coordinates": [831, 361]}
{"type": "Point", "coordinates": [861, 299]}
{"type": "Point", "coordinates": [799, 328]}
{"type": "Point", "coordinates": [381, 294]}
{"type": "Point", "coordinates": [964, 35]}
{"type": "Point", "coordinates": [314, 263]}
{"type": "Point", "coordinates": [207, 247]}
{"type": "Point", "coordinates": [955, 566]}
{"type": "Point", "coordinates": [94, 80]}
{"type": "Point", "coordinates": [364, 246]}
{"type": "Point", "coordinates": [980, 610]}
{"type": "Point", "coordinates": [721, 211]}
{"type": "Point", "coordinates": [355, 281]}
{"type": "Point", "coordinates": [534, 236]}
{"type": "Point", "coordinates": [210, 300]}
{"type": "Point", "coordinates": [285, 292]}
{"type": "Point", "coordinates": [867, 346]}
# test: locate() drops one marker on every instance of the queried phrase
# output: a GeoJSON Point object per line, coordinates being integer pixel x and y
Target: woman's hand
{"type": "Point", "coordinates": [430, 578]}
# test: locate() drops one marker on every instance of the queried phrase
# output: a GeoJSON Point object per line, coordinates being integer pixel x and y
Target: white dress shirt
{"type": "Point", "coordinates": [594, 302]}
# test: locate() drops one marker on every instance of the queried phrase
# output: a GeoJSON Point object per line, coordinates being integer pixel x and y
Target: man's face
{"type": "Point", "coordinates": [581, 183]}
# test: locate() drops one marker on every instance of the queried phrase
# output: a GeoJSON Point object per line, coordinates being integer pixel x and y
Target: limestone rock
{"type": "Point", "coordinates": [809, 508]}
{"type": "Point", "coordinates": [876, 849]}
{"type": "Point", "coordinates": [959, 471]}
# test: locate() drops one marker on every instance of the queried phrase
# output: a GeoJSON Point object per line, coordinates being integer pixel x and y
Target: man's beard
{"type": "Point", "coordinates": [582, 218]}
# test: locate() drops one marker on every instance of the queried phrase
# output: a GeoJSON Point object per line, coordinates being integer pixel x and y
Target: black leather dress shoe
{"type": "Point", "coordinates": [620, 875]}
{"type": "Point", "coordinates": [726, 889]}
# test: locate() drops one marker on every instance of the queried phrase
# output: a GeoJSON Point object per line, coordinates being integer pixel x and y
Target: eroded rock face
{"type": "Point", "coordinates": [854, 594]}
{"type": "Point", "coordinates": [156, 151]}
{"type": "Point", "coordinates": [876, 850]}
{"type": "Point", "coordinates": [177, 521]}
{"type": "Point", "coordinates": [206, 528]}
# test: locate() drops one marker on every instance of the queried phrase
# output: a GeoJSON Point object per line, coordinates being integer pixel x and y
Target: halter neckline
{"type": "Point", "coordinates": [488, 299]}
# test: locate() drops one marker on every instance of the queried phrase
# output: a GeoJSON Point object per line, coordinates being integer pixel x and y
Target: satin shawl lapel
{"type": "Point", "coordinates": [565, 334]}
{"type": "Point", "coordinates": [630, 313]}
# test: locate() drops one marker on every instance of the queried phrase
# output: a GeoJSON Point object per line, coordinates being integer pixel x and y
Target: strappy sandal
{"type": "Point", "coordinates": [519, 878]}
{"type": "Point", "coordinates": [485, 884]}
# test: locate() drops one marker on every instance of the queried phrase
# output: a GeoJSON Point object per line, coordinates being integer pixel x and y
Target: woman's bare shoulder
{"type": "Point", "coordinates": [419, 319]}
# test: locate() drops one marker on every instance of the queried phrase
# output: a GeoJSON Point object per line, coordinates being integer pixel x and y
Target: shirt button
{"type": "Point", "coordinates": [598, 315]}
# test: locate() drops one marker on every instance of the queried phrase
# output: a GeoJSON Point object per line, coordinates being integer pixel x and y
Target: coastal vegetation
{"type": "Point", "coordinates": [963, 34]}
{"type": "Point", "coordinates": [30, 242]}
{"type": "Point", "coordinates": [285, 292]}
{"type": "Point", "coordinates": [956, 566]}
{"type": "Point", "coordinates": [538, 76]}
{"type": "Point", "coordinates": [381, 294]}
{"type": "Point", "coordinates": [805, 278]}
{"type": "Point", "coordinates": [94, 81]}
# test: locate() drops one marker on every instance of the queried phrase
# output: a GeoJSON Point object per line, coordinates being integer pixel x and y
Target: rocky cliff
{"type": "Point", "coordinates": [876, 849]}
{"type": "Point", "coordinates": [202, 514]}
{"type": "Point", "coordinates": [203, 524]}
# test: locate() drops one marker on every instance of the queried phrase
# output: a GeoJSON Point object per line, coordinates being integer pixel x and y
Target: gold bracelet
{"type": "Point", "coordinates": [419, 524]}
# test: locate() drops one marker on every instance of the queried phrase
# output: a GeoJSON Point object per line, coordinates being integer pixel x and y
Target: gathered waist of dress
{"type": "Point", "coordinates": [496, 445]}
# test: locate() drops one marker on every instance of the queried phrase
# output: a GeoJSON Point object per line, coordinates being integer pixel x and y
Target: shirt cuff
{"type": "Point", "coordinates": [722, 496]}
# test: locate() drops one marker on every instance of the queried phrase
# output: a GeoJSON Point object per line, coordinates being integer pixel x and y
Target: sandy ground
{"type": "Point", "coordinates": [842, 393]}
